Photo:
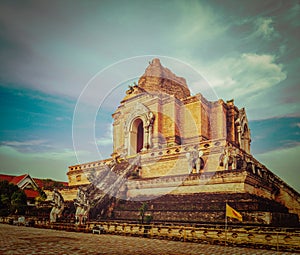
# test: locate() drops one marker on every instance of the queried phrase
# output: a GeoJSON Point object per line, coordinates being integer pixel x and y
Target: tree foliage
{"type": "Point", "coordinates": [51, 184]}
{"type": "Point", "coordinates": [12, 199]}
{"type": "Point", "coordinates": [143, 210]}
{"type": "Point", "coordinates": [42, 196]}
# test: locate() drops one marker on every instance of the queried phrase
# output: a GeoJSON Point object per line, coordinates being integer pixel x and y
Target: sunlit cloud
{"type": "Point", "coordinates": [246, 74]}
{"type": "Point", "coordinates": [51, 164]}
{"type": "Point", "coordinates": [193, 21]}
{"type": "Point", "coordinates": [265, 28]}
{"type": "Point", "coordinates": [247, 78]}
{"type": "Point", "coordinates": [29, 146]}
{"type": "Point", "coordinates": [24, 143]}
{"type": "Point", "coordinates": [107, 137]}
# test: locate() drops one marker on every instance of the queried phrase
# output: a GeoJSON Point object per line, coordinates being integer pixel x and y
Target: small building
{"type": "Point", "coordinates": [31, 186]}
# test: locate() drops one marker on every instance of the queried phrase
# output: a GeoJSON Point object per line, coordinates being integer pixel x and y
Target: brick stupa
{"type": "Point", "coordinates": [185, 157]}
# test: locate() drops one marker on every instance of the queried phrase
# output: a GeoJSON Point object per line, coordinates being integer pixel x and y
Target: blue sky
{"type": "Point", "coordinates": [50, 50]}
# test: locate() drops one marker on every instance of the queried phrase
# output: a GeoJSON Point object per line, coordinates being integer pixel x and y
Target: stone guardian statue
{"type": "Point", "coordinates": [82, 207]}
{"type": "Point", "coordinates": [58, 206]}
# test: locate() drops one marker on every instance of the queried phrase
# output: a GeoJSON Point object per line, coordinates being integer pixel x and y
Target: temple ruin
{"type": "Point", "coordinates": [185, 157]}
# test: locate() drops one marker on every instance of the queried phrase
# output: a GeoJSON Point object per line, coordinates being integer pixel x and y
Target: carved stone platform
{"type": "Point", "coordinates": [209, 208]}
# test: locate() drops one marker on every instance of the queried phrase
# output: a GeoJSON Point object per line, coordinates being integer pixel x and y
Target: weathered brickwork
{"type": "Point", "coordinates": [184, 145]}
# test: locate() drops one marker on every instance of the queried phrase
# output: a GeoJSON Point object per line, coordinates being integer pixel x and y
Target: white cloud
{"type": "Point", "coordinates": [265, 28]}
{"type": "Point", "coordinates": [198, 22]}
{"type": "Point", "coordinates": [246, 73]}
{"type": "Point", "coordinates": [103, 141]}
{"type": "Point", "coordinates": [107, 138]}
{"type": "Point", "coordinates": [247, 78]}
{"type": "Point", "coordinates": [24, 143]}
{"type": "Point", "coordinates": [38, 164]}
{"type": "Point", "coordinates": [258, 72]}
{"type": "Point", "coordinates": [34, 146]}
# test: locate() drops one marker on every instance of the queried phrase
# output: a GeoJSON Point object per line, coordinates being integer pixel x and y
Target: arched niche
{"type": "Point", "coordinates": [136, 136]}
{"type": "Point", "coordinates": [245, 140]}
{"type": "Point", "coordinates": [243, 131]}
{"type": "Point", "coordinates": [138, 130]}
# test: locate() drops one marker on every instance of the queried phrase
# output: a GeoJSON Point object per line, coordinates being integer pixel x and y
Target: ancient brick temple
{"type": "Point", "coordinates": [185, 157]}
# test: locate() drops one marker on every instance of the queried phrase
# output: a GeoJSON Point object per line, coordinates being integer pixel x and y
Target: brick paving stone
{"type": "Point", "coordinates": [23, 240]}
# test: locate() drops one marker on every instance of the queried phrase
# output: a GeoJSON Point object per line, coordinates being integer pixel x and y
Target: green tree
{"type": "Point", "coordinates": [42, 196]}
{"type": "Point", "coordinates": [5, 201]}
{"type": "Point", "coordinates": [143, 210]}
{"type": "Point", "coordinates": [18, 202]}
{"type": "Point", "coordinates": [12, 199]}
{"type": "Point", "coordinates": [51, 184]}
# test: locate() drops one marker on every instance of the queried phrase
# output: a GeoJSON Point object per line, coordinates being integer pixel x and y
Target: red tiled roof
{"type": "Point", "coordinates": [17, 179]}
{"type": "Point", "coordinates": [40, 182]}
{"type": "Point", "coordinates": [31, 193]}
{"type": "Point", "coordinates": [5, 177]}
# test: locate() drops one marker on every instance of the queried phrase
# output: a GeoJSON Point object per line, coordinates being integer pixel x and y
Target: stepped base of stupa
{"type": "Point", "coordinates": [209, 208]}
{"type": "Point", "coordinates": [201, 198]}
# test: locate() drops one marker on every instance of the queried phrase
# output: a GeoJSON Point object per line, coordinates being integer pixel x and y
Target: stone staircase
{"type": "Point", "coordinates": [108, 186]}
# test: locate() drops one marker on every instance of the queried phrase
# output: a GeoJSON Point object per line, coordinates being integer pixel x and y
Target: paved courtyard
{"type": "Point", "coordinates": [23, 240]}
